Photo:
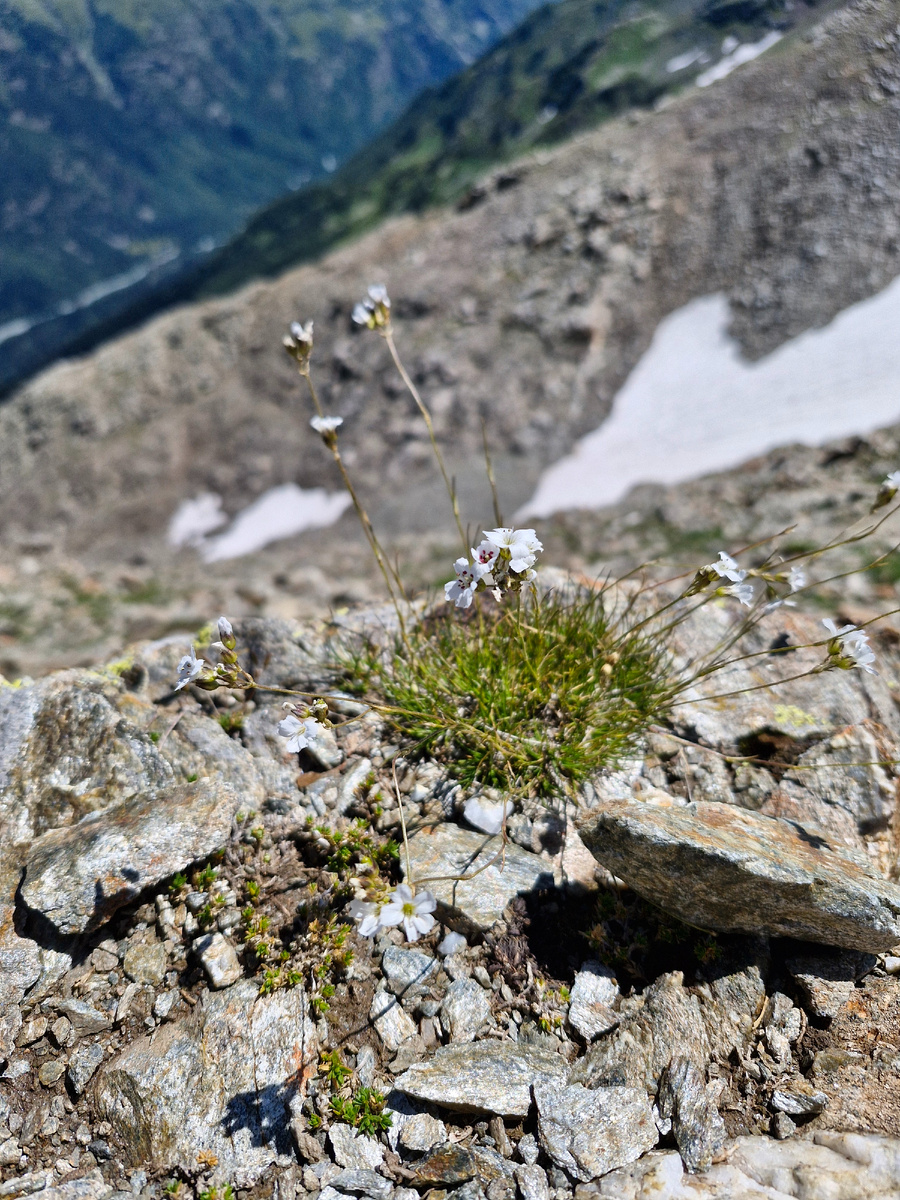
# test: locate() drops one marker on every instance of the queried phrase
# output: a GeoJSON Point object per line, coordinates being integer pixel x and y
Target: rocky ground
{"type": "Point", "coordinates": [180, 1012]}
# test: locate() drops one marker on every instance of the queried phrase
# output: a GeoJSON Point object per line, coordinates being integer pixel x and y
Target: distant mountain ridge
{"type": "Point", "coordinates": [567, 66]}
{"type": "Point", "coordinates": [134, 129]}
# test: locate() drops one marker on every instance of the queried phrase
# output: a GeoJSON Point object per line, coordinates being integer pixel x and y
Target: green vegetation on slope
{"type": "Point", "coordinates": [134, 129]}
{"type": "Point", "coordinates": [568, 67]}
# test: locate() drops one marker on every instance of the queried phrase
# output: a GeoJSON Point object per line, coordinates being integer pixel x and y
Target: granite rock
{"type": "Point", "coordinates": [594, 991]}
{"type": "Point", "coordinates": [78, 877]}
{"type": "Point", "coordinates": [219, 960]}
{"type": "Point", "coordinates": [466, 1010]}
{"type": "Point", "coordinates": [353, 1150]}
{"type": "Point", "coordinates": [222, 1079]}
{"type": "Point", "coordinates": [590, 1131]}
{"type": "Point", "coordinates": [391, 1021]}
{"type": "Point", "coordinates": [684, 1099]}
{"type": "Point", "coordinates": [482, 1077]}
{"type": "Point", "coordinates": [720, 867]}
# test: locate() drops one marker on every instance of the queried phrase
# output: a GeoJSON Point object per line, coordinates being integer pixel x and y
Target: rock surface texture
{"type": "Point", "coordinates": [720, 867]}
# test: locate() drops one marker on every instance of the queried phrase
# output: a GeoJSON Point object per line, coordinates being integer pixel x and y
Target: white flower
{"type": "Point", "coordinates": [375, 309]}
{"type": "Point", "coordinates": [486, 554]}
{"type": "Point", "coordinates": [853, 647]}
{"type": "Point", "coordinates": [361, 314]}
{"type": "Point", "coordinates": [325, 425]}
{"type": "Point", "coordinates": [461, 589]}
{"type": "Point", "coordinates": [300, 733]}
{"type": "Point", "coordinates": [302, 333]}
{"type": "Point", "coordinates": [189, 669]}
{"type": "Point", "coordinates": [892, 480]}
{"type": "Point", "coordinates": [451, 943]}
{"type": "Point", "coordinates": [369, 916]}
{"type": "Point", "coordinates": [727, 568]}
{"type": "Point", "coordinates": [797, 579]}
{"type": "Point", "coordinates": [412, 912]}
{"type": "Point", "coordinates": [740, 591]}
{"type": "Point", "coordinates": [378, 295]}
{"type": "Point", "coordinates": [522, 545]}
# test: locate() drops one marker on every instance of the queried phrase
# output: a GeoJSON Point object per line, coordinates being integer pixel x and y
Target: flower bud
{"type": "Point", "coordinates": [226, 633]}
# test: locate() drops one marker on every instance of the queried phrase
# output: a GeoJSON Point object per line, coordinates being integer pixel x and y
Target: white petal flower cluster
{"type": "Point", "coordinates": [299, 343]}
{"type": "Point", "coordinates": [327, 427]}
{"type": "Point", "coordinates": [300, 732]}
{"type": "Point", "coordinates": [502, 562]}
{"type": "Point", "coordinates": [375, 311]}
{"type": "Point", "coordinates": [190, 668]}
{"type": "Point", "coordinates": [402, 907]}
{"type": "Point", "coordinates": [849, 647]}
{"type": "Point", "coordinates": [724, 568]}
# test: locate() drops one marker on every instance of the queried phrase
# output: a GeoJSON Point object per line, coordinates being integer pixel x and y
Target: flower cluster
{"type": "Point", "coordinates": [226, 673]}
{"type": "Point", "coordinates": [327, 428]}
{"type": "Point", "coordinates": [375, 311]}
{"type": "Point", "coordinates": [725, 568]}
{"type": "Point", "coordinates": [848, 648]}
{"type": "Point", "coordinates": [402, 907]}
{"type": "Point", "coordinates": [502, 562]}
{"type": "Point", "coordinates": [304, 725]}
{"type": "Point", "coordinates": [299, 343]}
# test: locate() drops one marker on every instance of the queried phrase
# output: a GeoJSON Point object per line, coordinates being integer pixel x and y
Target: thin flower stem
{"type": "Point", "coordinates": [388, 336]}
{"type": "Point", "coordinates": [409, 878]}
{"type": "Point", "coordinates": [758, 687]}
{"type": "Point", "coordinates": [498, 515]}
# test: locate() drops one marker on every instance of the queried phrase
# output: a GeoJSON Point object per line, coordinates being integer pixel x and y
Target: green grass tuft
{"type": "Point", "coordinates": [530, 701]}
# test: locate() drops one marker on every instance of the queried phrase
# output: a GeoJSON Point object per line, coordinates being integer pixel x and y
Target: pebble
{"type": "Point", "coordinates": [62, 1031]}
{"type": "Point", "coordinates": [218, 959]}
{"type": "Point", "coordinates": [32, 1031]}
{"type": "Point", "coordinates": [798, 1099]}
{"type": "Point", "coordinates": [466, 1010]}
{"type": "Point", "coordinates": [391, 1022]}
{"type": "Point", "coordinates": [51, 1072]}
{"type": "Point", "coordinates": [452, 942]}
{"type": "Point", "coordinates": [593, 993]}
{"type": "Point", "coordinates": [10, 1153]}
{"type": "Point", "coordinates": [528, 1149]}
{"type": "Point", "coordinates": [532, 1181]}
{"type": "Point", "coordinates": [84, 1017]}
{"type": "Point", "coordinates": [146, 963]}
{"type": "Point", "coordinates": [451, 1164]}
{"type": "Point", "coordinates": [405, 971]}
{"type": "Point", "coordinates": [422, 1132]}
{"type": "Point", "coordinates": [360, 1181]}
{"type": "Point", "coordinates": [83, 1064]}
{"type": "Point", "coordinates": [684, 1099]}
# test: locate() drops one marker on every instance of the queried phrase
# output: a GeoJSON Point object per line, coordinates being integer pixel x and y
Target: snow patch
{"type": "Point", "coordinates": [736, 58]}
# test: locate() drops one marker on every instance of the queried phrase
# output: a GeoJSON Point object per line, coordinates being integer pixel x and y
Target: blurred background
{"type": "Point", "coordinates": [649, 247]}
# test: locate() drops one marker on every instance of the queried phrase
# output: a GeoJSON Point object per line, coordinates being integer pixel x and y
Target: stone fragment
{"type": "Point", "coordinates": [528, 1149]}
{"type": "Point", "coordinates": [146, 963]}
{"type": "Point", "coordinates": [218, 959]}
{"type": "Point", "coordinates": [406, 970]}
{"type": "Point", "coordinates": [89, 1187]}
{"type": "Point", "coordinates": [532, 1181]}
{"type": "Point", "coordinates": [24, 1185]}
{"type": "Point", "coordinates": [491, 1164]}
{"type": "Point", "coordinates": [798, 1099]}
{"type": "Point", "coordinates": [446, 850]}
{"type": "Point", "coordinates": [483, 1077]}
{"type": "Point", "coordinates": [391, 1022]}
{"type": "Point", "coordinates": [411, 1050]}
{"type": "Point", "coordinates": [594, 991]}
{"type": "Point", "coordinates": [465, 1010]}
{"type": "Point", "coordinates": [422, 1132]}
{"type": "Point", "coordinates": [32, 1031]}
{"type": "Point", "coordinates": [826, 982]}
{"type": "Point", "coordinates": [84, 1017]}
{"type": "Point", "coordinates": [451, 1164]}
{"type": "Point", "coordinates": [847, 1165]}
{"type": "Point", "coordinates": [79, 876]}
{"type": "Point", "coordinates": [685, 1100]}
{"type": "Point", "coordinates": [83, 1064]}
{"type": "Point", "coordinates": [10, 1152]}
{"type": "Point", "coordinates": [61, 1031]}
{"type": "Point", "coordinates": [51, 1071]}
{"type": "Point", "coordinates": [104, 961]}
{"type": "Point", "coordinates": [588, 1132]}
{"type": "Point", "coordinates": [782, 1126]}
{"type": "Point", "coordinates": [362, 1182]}
{"type": "Point", "coordinates": [222, 1078]}
{"type": "Point", "coordinates": [354, 1150]}
{"type": "Point", "coordinates": [164, 1003]}
{"type": "Point", "coordinates": [720, 867]}
{"type": "Point", "coordinates": [655, 1176]}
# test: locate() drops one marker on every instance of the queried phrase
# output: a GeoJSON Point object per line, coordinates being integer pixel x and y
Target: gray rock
{"type": "Point", "coordinates": [392, 1023]}
{"type": "Point", "coordinates": [354, 1150]}
{"type": "Point", "coordinates": [405, 971]}
{"type": "Point", "coordinates": [450, 1164]}
{"type": "Point", "coordinates": [23, 1185]}
{"type": "Point", "coordinates": [146, 963]}
{"type": "Point", "coordinates": [219, 960]}
{"type": "Point", "coordinates": [483, 1077]}
{"type": "Point", "coordinates": [222, 1078]}
{"type": "Point", "coordinates": [84, 1017]}
{"type": "Point", "coordinates": [51, 1072]}
{"type": "Point", "coordinates": [657, 1176]}
{"type": "Point", "coordinates": [446, 850]}
{"type": "Point", "coordinates": [366, 1065]}
{"type": "Point", "coordinates": [798, 1099]}
{"type": "Point", "coordinates": [532, 1181]}
{"type": "Point", "coordinates": [422, 1132]}
{"type": "Point", "coordinates": [465, 1010]}
{"type": "Point", "coordinates": [720, 867]}
{"type": "Point", "coordinates": [78, 877]}
{"type": "Point", "coordinates": [590, 1003]}
{"type": "Point", "coordinates": [684, 1099]}
{"type": "Point", "coordinates": [83, 1064]}
{"type": "Point", "coordinates": [588, 1132]}
{"type": "Point", "coordinates": [10, 1152]}
{"type": "Point", "coordinates": [362, 1182]}
{"type": "Point", "coordinates": [89, 1187]}
{"type": "Point", "coordinates": [826, 982]}
{"type": "Point", "coordinates": [528, 1149]}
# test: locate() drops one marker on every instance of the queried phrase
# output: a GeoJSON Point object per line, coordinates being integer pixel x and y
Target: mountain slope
{"type": "Point", "coordinates": [568, 66]}
{"type": "Point", "coordinates": [131, 131]}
